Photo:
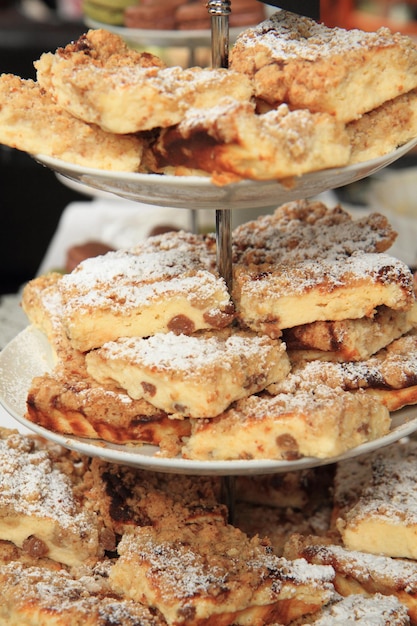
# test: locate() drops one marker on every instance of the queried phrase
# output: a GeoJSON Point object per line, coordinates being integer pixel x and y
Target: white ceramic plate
{"type": "Point", "coordinates": [163, 38]}
{"type": "Point", "coordinates": [198, 192]}
{"type": "Point", "coordinates": [29, 355]}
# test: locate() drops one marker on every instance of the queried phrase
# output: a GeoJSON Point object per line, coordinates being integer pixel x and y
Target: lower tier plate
{"type": "Point", "coordinates": [29, 355]}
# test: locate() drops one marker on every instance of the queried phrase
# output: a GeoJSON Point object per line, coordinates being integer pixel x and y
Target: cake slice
{"type": "Point", "coordinates": [357, 609]}
{"type": "Point", "coordinates": [375, 501]}
{"type": "Point", "coordinates": [308, 65]}
{"type": "Point", "coordinates": [168, 369]}
{"type": "Point", "coordinates": [349, 340]}
{"type": "Point", "coordinates": [31, 121]}
{"type": "Point", "coordinates": [126, 497]}
{"type": "Point", "coordinates": [75, 404]}
{"type": "Point", "coordinates": [43, 504]}
{"type": "Point", "coordinates": [322, 423]}
{"type": "Point", "coordinates": [127, 96]}
{"type": "Point", "coordinates": [215, 574]}
{"type": "Point", "coordinates": [130, 293]}
{"type": "Point", "coordinates": [389, 376]}
{"type": "Point", "coordinates": [384, 129]}
{"type": "Point", "coordinates": [230, 141]}
{"type": "Point", "coordinates": [358, 572]}
{"type": "Point", "coordinates": [306, 263]}
{"type": "Point", "coordinates": [34, 595]}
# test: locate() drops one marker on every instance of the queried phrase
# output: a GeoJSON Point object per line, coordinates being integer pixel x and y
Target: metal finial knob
{"type": "Point", "coordinates": [219, 7]}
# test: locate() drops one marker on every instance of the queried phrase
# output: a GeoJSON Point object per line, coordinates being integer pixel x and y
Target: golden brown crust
{"type": "Point", "coordinates": [320, 423]}
{"type": "Point", "coordinates": [31, 121]}
{"type": "Point", "coordinates": [358, 572]}
{"type": "Point", "coordinates": [232, 142]}
{"type": "Point", "coordinates": [349, 340]}
{"type": "Point", "coordinates": [193, 577]}
{"type": "Point", "coordinates": [66, 403]}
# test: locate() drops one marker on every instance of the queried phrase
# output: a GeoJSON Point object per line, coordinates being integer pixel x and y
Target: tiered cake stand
{"type": "Point", "coordinates": [29, 354]}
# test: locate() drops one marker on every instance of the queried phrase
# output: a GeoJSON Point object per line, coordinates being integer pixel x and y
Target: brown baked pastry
{"type": "Point", "coordinates": [320, 423]}
{"type": "Point", "coordinates": [322, 258]}
{"type": "Point", "coordinates": [131, 293]}
{"type": "Point", "coordinates": [389, 376]}
{"type": "Point", "coordinates": [197, 574]}
{"type": "Point", "coordinates": [308, 65]}
{"type": "Point", "coordinates": [125, 97]}
{"type": "Point", "coordinates": [384, 129]}
{"type": "Point", "coordinates": [80, 252]}
{"type": "Point", "coordinates": [375, 501]}
{"type": "Point", "coordinates": [360, 573]}
{"type": "Point", "coordinates": [167, 369]}
{"type": "Point", "coordinates": [31, 121]}
{"type": "Point", "coordinates": [126, 497]}
{"type": "Point", "coordinates": [231, 141]}
{"type": "Point", "coordinates": [349, 340]}
{"type": "Point", "coordinates": [34, 595]}
{"type": "Point", "coordinates": [43, 504]}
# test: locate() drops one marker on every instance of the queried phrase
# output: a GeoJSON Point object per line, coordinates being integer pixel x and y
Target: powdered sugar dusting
{"type": "Point", "coordinates": [124, 279]}
{"type": "Point", "coordinates": [30, 485]}
{"type": "Point", "coordinates": [288, 36]}
{"type": "Point", "coordinates": [383, 484]}
{"type": "Point", "coordinates": [190, 354]}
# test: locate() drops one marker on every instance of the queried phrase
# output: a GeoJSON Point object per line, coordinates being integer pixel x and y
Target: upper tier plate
{"type": "Point", "coordinates": [29, 355]}
{"type": "Point", "coordinates": [163, 38]}
{"type": "Point", "coordinates": [198, 192]}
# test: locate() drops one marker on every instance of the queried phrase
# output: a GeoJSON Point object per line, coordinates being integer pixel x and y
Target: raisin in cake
{"type": "Point", "coordinates": [320, 423]}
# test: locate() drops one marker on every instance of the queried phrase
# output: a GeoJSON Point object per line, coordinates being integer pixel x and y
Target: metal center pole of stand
{"type": "Point", "coordinates": [219, 11]}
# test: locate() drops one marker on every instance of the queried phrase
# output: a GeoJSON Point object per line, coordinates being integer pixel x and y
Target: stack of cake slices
{"type": "Point", "coordinates": [305, 355]}
{"type": "Point", "coordinates": [297, 97]}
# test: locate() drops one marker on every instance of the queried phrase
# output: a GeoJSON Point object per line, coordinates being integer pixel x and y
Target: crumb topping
{"type": "Point", "coordinates": [189, 355]}
{"type": "Point", "coordinates": [30, 485]}
{"type": "Point", "coordinates": [290, 37]}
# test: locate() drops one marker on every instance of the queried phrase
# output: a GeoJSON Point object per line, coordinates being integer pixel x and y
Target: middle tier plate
{"type": "Point", "coordinates": [29, 355]}
{"type": "Point", "coordinates": [198, 192]}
